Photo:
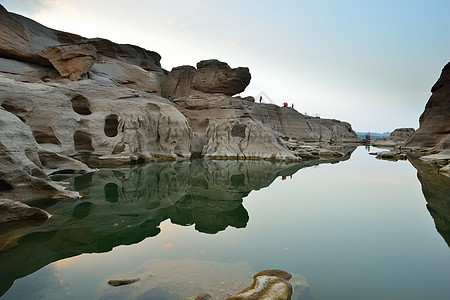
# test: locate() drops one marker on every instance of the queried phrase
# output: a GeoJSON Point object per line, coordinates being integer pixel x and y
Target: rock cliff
{"type": "Point", "coordinates": [434, 130]}
{"type": "Point", "coordinates": [104, 103]}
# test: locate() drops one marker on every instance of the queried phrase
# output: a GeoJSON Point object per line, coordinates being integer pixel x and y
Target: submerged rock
{"type": "Point", "coordinates": [392, 155]}
{"type": "Point", "coordinates": [268, 284]}
{"type": "Point", "coordinates": [120, 282]}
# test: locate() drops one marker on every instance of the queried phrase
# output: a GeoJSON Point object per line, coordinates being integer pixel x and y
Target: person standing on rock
{"type": "Point", "coordinates": [260, 99]}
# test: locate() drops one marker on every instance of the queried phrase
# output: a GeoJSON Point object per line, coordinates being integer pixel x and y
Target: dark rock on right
{"type": "Point", "coordinates": [434, 130]}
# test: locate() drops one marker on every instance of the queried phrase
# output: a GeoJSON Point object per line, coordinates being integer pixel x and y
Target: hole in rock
{"type": "Point", "coordinates": [4, 186]}
{"type": "Point", "coordinates": [80, 105]}
{"type": "Point", "coordinates": [111, 124]}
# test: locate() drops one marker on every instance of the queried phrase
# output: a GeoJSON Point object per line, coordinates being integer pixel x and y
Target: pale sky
{"type": "Point", "coordinates": [370, 63]}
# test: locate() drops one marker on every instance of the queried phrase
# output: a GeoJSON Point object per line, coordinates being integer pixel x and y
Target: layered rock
{"type": "Point", "coordinates": [98, 124]}
{"type": "Point", "coordinates": [21, 173]}
{"type": "Point", "coordinates": [71, 61]}
{"type": "Point", "coordinates": [434, 130]}
{"type": "Point", "coordinates": [15, 211]}
{"type": "Point", "coordinates": [211, 76]}
{"type": "Point", "coordinates": [24, 39]}
{"type": "Point", "coordinates": [227, 127]}
{"type": "Point", "coordinates": [106, 104]}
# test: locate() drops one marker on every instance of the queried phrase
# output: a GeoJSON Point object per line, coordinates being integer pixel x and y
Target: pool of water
{"type": "Point", "coordinates": [356, 229]}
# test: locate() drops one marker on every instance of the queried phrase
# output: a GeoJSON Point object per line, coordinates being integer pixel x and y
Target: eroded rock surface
{"type": "Point", "coordinates": [15, 211]}
{"type": "Point", "coordinates": [71, 61]}
{"type": "Point", "coordinates": [267, 284]}
{"type": "Point", "coordinates": [397, 138]}
{"type": "Point", "coordinates": [434, 130]}
{"type": "Point", "coordinates": [21, 173]}
{"type": "Point", "coordinates": [210, 76]}
{"type": "Point", "coordinates": [104, 103]}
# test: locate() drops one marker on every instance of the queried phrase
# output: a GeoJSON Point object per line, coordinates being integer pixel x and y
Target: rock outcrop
{"type": "Point", "coordinates": [21, 174]}
{"type": "Point", "coordinates": [210, 76]}
{"type": "Point", "coordinates": [104, 103]}
{"type": "Point", "coordinates": [397, 138]}
{"type": "Point", "coordinates": [15, 211]}
{"type": "Point", "coordinates": [434, 130]}
{"type": "Point", "coordinates": [71, 61]}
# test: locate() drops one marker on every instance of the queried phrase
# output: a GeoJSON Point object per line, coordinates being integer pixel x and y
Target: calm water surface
{"type": "Point", "coordinates": [357, 229]}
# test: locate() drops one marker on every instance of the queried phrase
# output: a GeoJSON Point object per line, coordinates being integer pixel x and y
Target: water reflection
{"type": "Point", "coordinates": [123, 206]}
{"type": "Point", "coordinates": [436, 190]}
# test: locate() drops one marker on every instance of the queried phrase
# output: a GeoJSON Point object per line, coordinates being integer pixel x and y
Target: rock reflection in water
{"type": "Point", "coordinates": [123, 206]}
{"type": "Point", "coordinates": [436, 190]}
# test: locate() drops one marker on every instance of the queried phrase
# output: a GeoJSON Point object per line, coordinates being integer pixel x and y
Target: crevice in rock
{"type": "Point", "coordinates": [80, 105]}
{"type": "Point", "coordinates": [111, 124]}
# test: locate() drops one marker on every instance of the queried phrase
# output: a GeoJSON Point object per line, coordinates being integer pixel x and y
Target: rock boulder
{"type": "Point", "coordinates": [71, 61]}
{"type": "Point", "coordinates": [210, 76]}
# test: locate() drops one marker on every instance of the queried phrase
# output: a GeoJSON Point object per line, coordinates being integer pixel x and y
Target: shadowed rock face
{"type": "Point", "coordinates": [123, 206]}
{"type": "Point", "coordinates": [434, 130]}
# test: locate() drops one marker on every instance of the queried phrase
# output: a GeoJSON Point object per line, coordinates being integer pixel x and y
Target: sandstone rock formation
{"type": "Point", "coordinates": [71, 61]}
{"type": "Point", "coordinates": [104, 103]}
{"type": "Point", "coordinates": [211, 76]}
{"type": "Point", "coordinates": [21, 173]}
{"type": "Point", "coordinates": [434, 130]}
{"type": "Point", "coordinates": [14, 211]}
{"type": "Point", "coordinates": [397, 138]}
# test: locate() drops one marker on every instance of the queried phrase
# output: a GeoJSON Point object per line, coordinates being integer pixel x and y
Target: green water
{"type": "Point", "coordinates": [357, 229]}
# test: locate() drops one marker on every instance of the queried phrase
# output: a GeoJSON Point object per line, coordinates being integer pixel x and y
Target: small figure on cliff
{"type": "Point", "coordinates": [260, 99]}
{"type": "Point", "coordinates": [292, 105]}
{"type": "Point", "coordinates": [285, 104]}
